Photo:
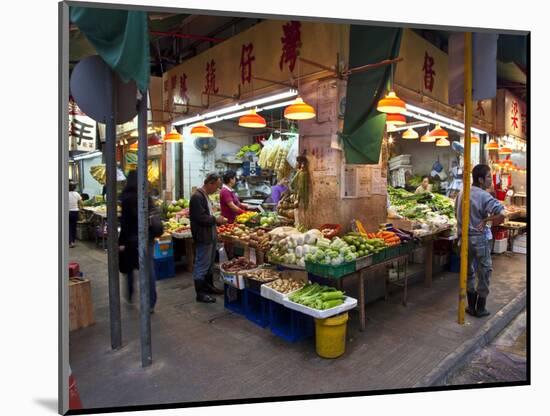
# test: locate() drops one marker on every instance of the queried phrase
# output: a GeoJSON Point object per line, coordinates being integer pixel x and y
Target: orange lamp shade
{"type": "Point", "coordinates": [133, 147]}
{"type": "Point", "coordinates": [201, 130]}
{"type": "Point", "coordinates": [504, 151]}
{"type": "Point", "coordinates": [391, 104]}
{"type": "Point", "coordinates": [173, 137]}
{"type": "Point", "coordinates": [410, 134]}
{"type": "Point", "coordinates": [427, 138]}
{"type": "Point", "coordinates": [396, 119]}
{"type": "Point", "coordinates": [474, 139]}
{"type": "Point", "coordinates": [443, 142]}
{"type": "Point", "coordinates": [299, 110]}
{"type": "Point", "coordinates": [252, 120]}
{"type": "Point", "coordinates": [439, 133]}
{"type": "Point", "coordinates": [492, 145]}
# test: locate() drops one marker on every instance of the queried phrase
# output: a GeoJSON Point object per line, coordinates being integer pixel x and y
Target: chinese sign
{"type": "Point", "coordinates": [512, 115]}
{"type": "Point", "coordinates": [291, 41]}
{"type": "Point", "coordinates": [82, 129]}
{"type": "Point", "coordinates": [246, 63]}
{"type": "Point", "coordinates": [429, 73]}
{"type": "Point", "coordinates": [210, 84]}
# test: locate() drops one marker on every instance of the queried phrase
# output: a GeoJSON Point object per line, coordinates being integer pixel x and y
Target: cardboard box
{"type": "Point", "coordinates": [81, 311]}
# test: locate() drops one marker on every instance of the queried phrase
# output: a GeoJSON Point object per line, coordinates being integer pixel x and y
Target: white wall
{"type": "Point", "coordinates": [196, 166]}
{"type": "Point", "coordinates": [424, 155]}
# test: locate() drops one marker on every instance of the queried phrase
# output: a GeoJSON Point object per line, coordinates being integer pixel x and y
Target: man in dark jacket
{"type": "Point", "coordinates": [203, 229]}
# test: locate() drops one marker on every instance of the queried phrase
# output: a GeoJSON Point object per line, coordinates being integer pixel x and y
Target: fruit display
{"type": "Point", "coordinates": [260, 239]}
{"type": "Point", "coordinates": [245, 217]}
{"type": "Point", "coordinates": [253, 148]}
{"type": "Point", "coordinates": [287, 205]}
{"type": "Point", "coordinates": [286, 285]}
{"type": "Point", "coordinates": [99, 173]}
{"type": "Point", "coordinates": [315, 296]}
{"type": "Point", "coordinates": [364, 246]}
{"type": "Point", "coordinates": [237, 264]}
{"type": "Point", "coordinates": [173, 225]}
{"type": "Point", "coordinates": [180, 207]}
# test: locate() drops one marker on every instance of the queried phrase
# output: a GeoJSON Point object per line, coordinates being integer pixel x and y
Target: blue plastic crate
{"type": "Point", "coordinates": [233, 299]}
{"type": "Point", "coordinates": [163, 249]}
{"type": "Point", "coordinates": [164, 268]}
{"type": "Point", "coordinates": [256, 308]}
{"type": "Point", "coordinates": [454, 264]}
{"type": "Point", "coordinates": [290, 325]}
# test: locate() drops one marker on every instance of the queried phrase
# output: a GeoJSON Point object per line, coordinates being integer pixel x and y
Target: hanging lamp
{"type": "Point", "coordinates": [252, 120]}
{"type": "Point", "coordinates": [504, 151]}
{"type": "Point", "coordinates": [492, 145]}
{"type": "Point", "coordinates": [474, 140]}
{"type": "Point", "coordinates": [396, 119]}
{"type": "Point", "coordinates": [439, 133]}
{"type": "Point", "coordinates": [299, 110]}
{"type": "Point", "coordinates": [172, 137]}
{"type": "Point", "coordinates": [391, 104]}
{"type": "Point", "coordinates": [202, 130]}
{"type": "Point", "coordinates": [133, 147]}
{"type": "Point", "coordinates": [410, 134]}
{"type": "Point", "coordinates": [443, 142]}
{"type": "Point", "coordinates": [427, 138]}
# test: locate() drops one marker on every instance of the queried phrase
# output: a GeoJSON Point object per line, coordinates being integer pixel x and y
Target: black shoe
{"type": "Point", "coordinates": [480, 307]}
{"type": "Point", "coordinates": [202, 296]}
{"type": "Point", "coordinates": [472, 298]}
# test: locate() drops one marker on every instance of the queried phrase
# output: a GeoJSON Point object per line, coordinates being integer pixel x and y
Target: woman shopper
{"type": "Point", "coordinates": [128, 240]}
{"type": "Point", "coordinates": [483, 208]}
{"type": "Point", "coordinates": [75, 205]}
{"type": "Point", "coordinates": [424, 186]}
{"type": "Point", "coordinates": [230, 204]}
{"type": "Point", "coordinates": [203, 230]}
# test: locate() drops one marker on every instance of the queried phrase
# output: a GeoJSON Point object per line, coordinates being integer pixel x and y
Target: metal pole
{"type": "Point", "coordinates": [112, 221]}
{"type": "Point", "coordinates": [466, 176]}
{"type": "Point", "coordinates": [143, 234]}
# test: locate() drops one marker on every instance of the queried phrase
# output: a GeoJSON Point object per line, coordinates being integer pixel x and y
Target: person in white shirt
{"type": "Point", "coordinates": [75, 204]}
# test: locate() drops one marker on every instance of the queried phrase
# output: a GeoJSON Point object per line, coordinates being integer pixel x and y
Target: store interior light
{"type": "Point", "coordinates": [201, 131]}
{"type": "Point", "coordinates": [443, 142]}
{"type": "Point", "coordinates": [492, 145]}
{"type": "Point", "coordinates": [252, 120]}
{"type": "Point", "coordinates": [414, 125]}
{"type": "Point", "coordinates": [504, 151]}
{"type": "Point", "coordinates": [440, 133]}
{"type": "Point", "coordinates": [391, 104]}
{"type": "Point", "coordinates": [410, 134]}
{"type": "Point", "coordinates": [173, 137]}
{"type": "Point", "coordinates": [395, 119]}
{"type": "Point", "coordinates": [474, 140]}
{"type": "Point", "coordinates": [427, 138]}
{"type": "Point", "coordinates": [299, 110]}
{"type": "Point", "coordinates": [433, 118]}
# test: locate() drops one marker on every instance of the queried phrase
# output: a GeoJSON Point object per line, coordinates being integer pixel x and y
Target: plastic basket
{"type": "Point", "coordinates": [406, 248]}
{"type": "Point", "coordinates": [233, 299]}
{"type": "Point", "coordinates": [163, 249]}
{"type": "Point", "coordinates": [379, 257]}
{"type": "Point", "coordinates": [392, 252]}
{"type": "Point", "coordinates": [325, 270]}
{"type": "Point", "coordinates": [256, 308]}
{"type": "Point", "coordinates": [292, 326]}
{"type": "Point", "coordinates": [164, 268]}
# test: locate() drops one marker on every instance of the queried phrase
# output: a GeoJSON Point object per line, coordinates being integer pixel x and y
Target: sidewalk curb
{"type": "Point", "coordinates": [438, 376]}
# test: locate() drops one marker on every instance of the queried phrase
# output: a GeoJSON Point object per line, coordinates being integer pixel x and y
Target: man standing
{"type": "Point", "coordinates": [203, 230]}
{"type": "Point", "coordinates": [483, 208]}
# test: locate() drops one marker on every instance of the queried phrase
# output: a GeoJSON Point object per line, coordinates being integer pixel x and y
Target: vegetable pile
{"type": "Point", "coordinates": [333, 252]}
{"type": "Point", "coordinates": [364, 246]}
{"type": "Point", "coordinates": [237, 265]}
{"type": "Point", "coordinates": [390, 238]}
{"type": "Point", "coordinates": [262, 275]}
{"type": "Point", "coordinates": [318, 297]}
{"type": "Point", "coordinates": [286, 285]}
{"type": "Point", "coordinates": [245, 217]}
{"type": "Point", "coordinates": [253, 148]}
{"type": "Point", "coordinates": [274, 154]}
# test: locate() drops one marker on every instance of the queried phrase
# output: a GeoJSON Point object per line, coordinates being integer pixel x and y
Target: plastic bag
{"type": "Point", "coordinates": [222, 254]}
{"type": "Point", "coordinates": [293, 153]}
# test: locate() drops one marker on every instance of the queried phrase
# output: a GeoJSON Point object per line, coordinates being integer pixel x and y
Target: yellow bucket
{"type": "Point", "coordinates": [330, 336]}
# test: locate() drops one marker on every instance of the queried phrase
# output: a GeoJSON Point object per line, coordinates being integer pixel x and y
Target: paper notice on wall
{"type": "Point", "coordinates": [363, 181]}
{"type": "Point", "coordinates": [378, 185]}
{"type": "Point", "coordinates": [350, 182]}
{"type": "Point", "coordinates": [325, 161]}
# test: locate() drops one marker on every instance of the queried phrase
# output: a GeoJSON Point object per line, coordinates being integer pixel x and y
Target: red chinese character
{"type": "Point", "coordinates": [291, 42]}
{"type": "Point", "coordinates": [480, 109]}
{"type": "Point", "coordinates": [173, 82]}
{"type": "Point", "coordinates": [246, 62]}
{"type": "Point", "coordinates": [210, 87]}
{"type": "Point", "coordinates": [183, 88]}
{"type": "Point", "coordinates": [515, 111]}
{"type": "Point", "coordinates": [429, 73]}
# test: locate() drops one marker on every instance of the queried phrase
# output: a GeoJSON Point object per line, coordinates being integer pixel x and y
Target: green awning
{"type": "Point", "coordinates": [120, 37]}
{"type": "Point", "coordinates": [363, 125]}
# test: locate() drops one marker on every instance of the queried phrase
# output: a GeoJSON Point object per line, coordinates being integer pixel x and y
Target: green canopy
{"type": "Point", "coordinates": [120, 37]}
{"type": "Point", "coordinates": [363, 125]}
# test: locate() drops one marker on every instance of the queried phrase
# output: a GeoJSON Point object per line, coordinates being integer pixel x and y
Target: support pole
{"type": "Point", "coordinates": [466, 176]}
{"type": "Point", "coordinates": [143, 236]}
{"type": "Point", "coordinates": [112, 220]}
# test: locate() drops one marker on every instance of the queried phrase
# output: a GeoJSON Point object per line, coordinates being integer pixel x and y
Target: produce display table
{"type": "Point", "coordinates": [189, 249]}
{"type": "Point", "coordinates": [97, 218]}
{"type": "Point", "coordinates": [513, 231]}
{"type": "Point", "coordinates": [428, 244]}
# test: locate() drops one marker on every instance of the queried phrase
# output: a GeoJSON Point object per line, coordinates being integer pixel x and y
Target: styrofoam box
{"type": "Point", "coordinates": [273, 295]}
{"type": "Point", "coordinates": [349, 303]}
{"type": "Point", "coordinates": [500, 246]}
{"type": "Point", "coordinates": [400, 160]}
{"type": "Point", "coordinates": [520, 250]}
{"type": "Point", "coordinates": [232, 279]}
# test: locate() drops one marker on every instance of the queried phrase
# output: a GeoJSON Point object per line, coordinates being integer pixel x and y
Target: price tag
{"type": "Point", "coordinates": [253, 255]}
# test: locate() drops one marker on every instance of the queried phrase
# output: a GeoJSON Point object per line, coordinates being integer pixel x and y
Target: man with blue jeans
{"type": "Point", "coordinates": [203, 229]}
{"type": "Point", "coordinates": [483, 208]}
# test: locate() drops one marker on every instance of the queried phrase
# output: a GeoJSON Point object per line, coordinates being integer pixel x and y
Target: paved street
{"type": "Point", "coordinates": [504, 359]}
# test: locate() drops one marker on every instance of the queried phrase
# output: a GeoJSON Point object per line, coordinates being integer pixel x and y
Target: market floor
{"type": "Point", "coordinates": [203, 352]}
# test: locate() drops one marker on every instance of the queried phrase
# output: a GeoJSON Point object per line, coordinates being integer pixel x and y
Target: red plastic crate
{"type": "Point", "coordinates": [74, 269]}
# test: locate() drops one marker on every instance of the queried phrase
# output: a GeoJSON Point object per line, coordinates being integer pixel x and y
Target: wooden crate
{"type": "Point", "coordinates": [403, 224]}
{"type": "Point", "coordinates": [81, 311]}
